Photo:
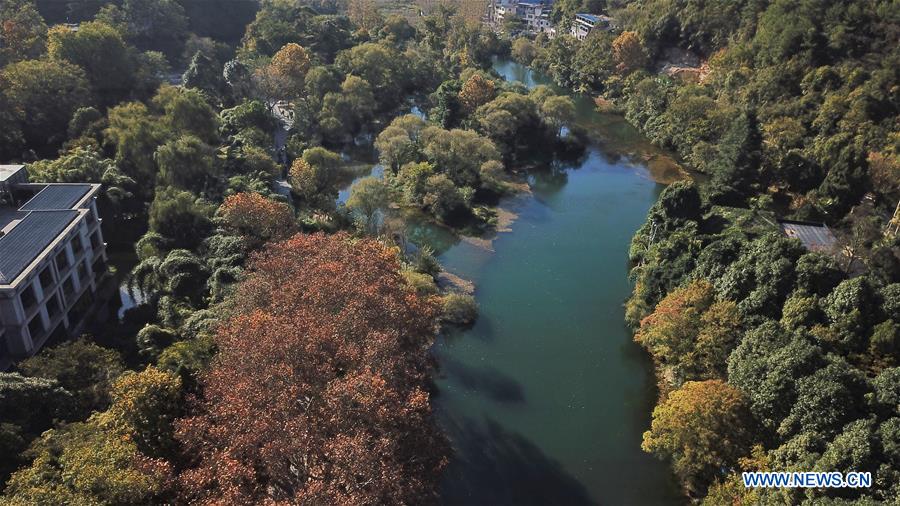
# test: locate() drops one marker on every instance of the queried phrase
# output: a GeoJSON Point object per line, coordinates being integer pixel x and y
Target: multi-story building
{"type": "Point", "coordinates": [52, 260]}
{"type": "Point", "coordinates": [583, 24]}
{"type": "Point", "coordinates": [536, 16]}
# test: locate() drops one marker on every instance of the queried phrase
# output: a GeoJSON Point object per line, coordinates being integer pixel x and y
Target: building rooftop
{"type": "Point", "coordinates": [814, 236]}
{"type": "Point", "coordinates": [27, 231]}
{"type": "Point", "coordinates": [57, 196]}
{"type": "Point", "coordinates": [28, 238]}
{"type": "Point", "coordinates": [589, 17]}
{"type": "Point", "coordinates": [6, 171]}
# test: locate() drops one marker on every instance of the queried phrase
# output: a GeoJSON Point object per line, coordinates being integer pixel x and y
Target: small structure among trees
{"type": "Point", "coordinates": [814, 236]}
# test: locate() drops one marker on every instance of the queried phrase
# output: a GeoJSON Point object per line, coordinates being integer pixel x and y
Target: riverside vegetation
{"type": "Point", "coordinates": [235, 236]}
{"type": "Point", "coordinates": [769, 357]}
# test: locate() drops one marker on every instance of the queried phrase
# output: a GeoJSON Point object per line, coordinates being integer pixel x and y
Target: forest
{"type": "Point", "coordinates": [176, 111]}
{"type": "Point", "coordinates": [769, 357]}
{"type": "Point", "coordinates": [221, 139]}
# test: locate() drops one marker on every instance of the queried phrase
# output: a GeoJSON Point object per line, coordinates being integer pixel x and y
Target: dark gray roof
{"type": "Point", "coordinates": [814, 236]}
{"type": "Point", "coordinates": [57, 196]}
{"type": "Point", "coordinates": [28, 239]}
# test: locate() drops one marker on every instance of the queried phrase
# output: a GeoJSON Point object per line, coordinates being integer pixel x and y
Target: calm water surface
{"type": "Point", "coordinates": [546, 397]}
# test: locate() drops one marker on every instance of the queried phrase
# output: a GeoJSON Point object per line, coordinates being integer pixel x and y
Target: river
{"type": "Point", "coordinates": [546, 397]}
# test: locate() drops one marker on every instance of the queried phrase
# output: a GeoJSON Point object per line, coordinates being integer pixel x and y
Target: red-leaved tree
{"type": "Point", "coordinates": [317, 395]}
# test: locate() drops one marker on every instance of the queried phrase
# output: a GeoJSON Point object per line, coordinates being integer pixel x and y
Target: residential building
{"type": "Point", "coordinates": [583, 24]}
{"type": "Point", "coordinates": [52, 261]}
{"type": "Point", "coordinates": [536, 16]}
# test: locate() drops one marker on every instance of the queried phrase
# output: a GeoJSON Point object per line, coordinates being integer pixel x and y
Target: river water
{"type": "Point", "coordinates": [546, 397]}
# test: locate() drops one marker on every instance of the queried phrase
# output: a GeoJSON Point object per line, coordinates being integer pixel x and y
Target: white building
{"type": "Point", "coordinates": [536, 16]}
{"type": "Point", "coordinates": [534, 13]}
{"type": "Point", "coordinates": [583, 24]}
{"type": "Point", "coordinates": [52, 260]}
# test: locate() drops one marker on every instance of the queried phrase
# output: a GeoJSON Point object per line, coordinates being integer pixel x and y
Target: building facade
{"type": "Point", "coordinates": [535, 14]}
{"type": "Point", "coordinates": [52, 261]}
{"type": "Point", "coordinates": [583, 24]}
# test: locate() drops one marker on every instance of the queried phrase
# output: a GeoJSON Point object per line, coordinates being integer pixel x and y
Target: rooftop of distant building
{"type": "Point", "coordinates": [814, 236]}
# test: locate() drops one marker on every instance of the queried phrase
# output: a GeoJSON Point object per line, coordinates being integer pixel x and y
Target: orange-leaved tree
{"type": "Point", "coordinates": [317, 394]}
{"type": "Point", "coordinates": [704, 428]}
{"type": "Point", "coordinates": [256, 218]}
{"type": "Point", "coordinates": [476, 91]}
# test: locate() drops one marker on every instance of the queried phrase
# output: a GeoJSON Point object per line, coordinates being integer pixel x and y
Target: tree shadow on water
{"type": "Point", "coordinates": [487, 382]}
{"type": "Point", "coordinates": [493, 466]}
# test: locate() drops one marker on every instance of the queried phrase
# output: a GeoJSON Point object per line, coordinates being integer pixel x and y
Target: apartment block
{"type": "Point", "coordinates": [583, 24]}
{"type": "Point", "coordinates": [52, 261]}
{"type": "Point", "coordinates": [535, 14]}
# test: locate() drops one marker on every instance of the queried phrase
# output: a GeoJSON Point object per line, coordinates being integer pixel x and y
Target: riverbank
{"type": "Point", "coordinates": [545, 398]}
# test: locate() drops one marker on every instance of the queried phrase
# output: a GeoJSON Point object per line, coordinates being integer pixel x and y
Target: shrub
{"type": "Point", "coordinates": [460, 309]}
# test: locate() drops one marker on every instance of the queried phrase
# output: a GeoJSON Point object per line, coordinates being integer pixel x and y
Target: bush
{"type": "Point", "coordinates": [422, 284]}
{"type": "Point", "coordinates": [460, 309]}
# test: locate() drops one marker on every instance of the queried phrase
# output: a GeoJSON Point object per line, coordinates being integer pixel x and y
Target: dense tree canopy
{"type": "Point", "coordinates": [356, 361]}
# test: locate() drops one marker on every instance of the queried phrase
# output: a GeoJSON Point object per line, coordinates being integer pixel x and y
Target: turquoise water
{"type": "Point", "coordinates": [546, 397]}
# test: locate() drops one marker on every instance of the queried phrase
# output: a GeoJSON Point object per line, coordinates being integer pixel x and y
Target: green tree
{"type": "Point", "coordinates": [47, 93]}
{"type": "Point", "coordinates": [592, 63]}
{"type": "Point", "coordinates": [101, 52]}
{"type": "Point", "coordinates": [205, 74]}
{"type": "Point", "coordinates": [399, 143]}
{"type": "Point", "coordinates": [378, 65]}
{"type": "Point", "coordinates": [86, 165]}
{"type": "Point", "coordinates": [84, 463]}
{"type": "Point", "coordinates": [827, 400]}
{"type": "Point", "coordinates": [368, 196]}
{"type": "Point", "coordinates": [186, 111]}
{"type": "Point", "coordinates": [447, 111]}
{"type": "Point", "coordinates": [343, 113]}
{"type": "Point", "coordinates": [135, 133]}
{"type": "Point", "coordinates": [523, 50]}
{"type": "Point", "coordinates": [766, 365]}
{"type": "Point", "coordinates": [33, 403]}
{"type": "Point", "coordinates": [23, 33]}
{"type": "Point", "coordinates": [82, 368]}
{"type": "Point", "coordinates": [458, 153]}
{"type": "Point", "coordinates": [156, 24]}
{"type": "Point", "coordinates": [442, 197]}
{"type": "Point", "coordinates": [180, 217]}
{"type": "Point", "coordinates": [557, 112]}
{"type": "Point", "coordinates": [185, 162]}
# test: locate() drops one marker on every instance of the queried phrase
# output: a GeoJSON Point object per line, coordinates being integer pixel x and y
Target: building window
{"type": "Point", "coordinates": [69, 287]}
{"type": "Point", "coordinates": [80, 308]}
{"type": "Point", "coordinates": [77, 245]}
{"type": "Point", "coordinates": [62, 261]}
{"type": "Point", "coordinates": [95, 240]}
{"type": "Point", "coordinates": [36, 327]}
{"type": "Point", "coordinates": [82, 272]}
{"type": "Point", "coordinates": [53, 307]}
{"type": "Point", "coordinates": [90, 217]}
{"type": "Point", "coordinates": [99, 267]}
{"type": "Point", "coordinates": [27, 297]}
{"type": "Point", "coordinates": [46, 278]}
